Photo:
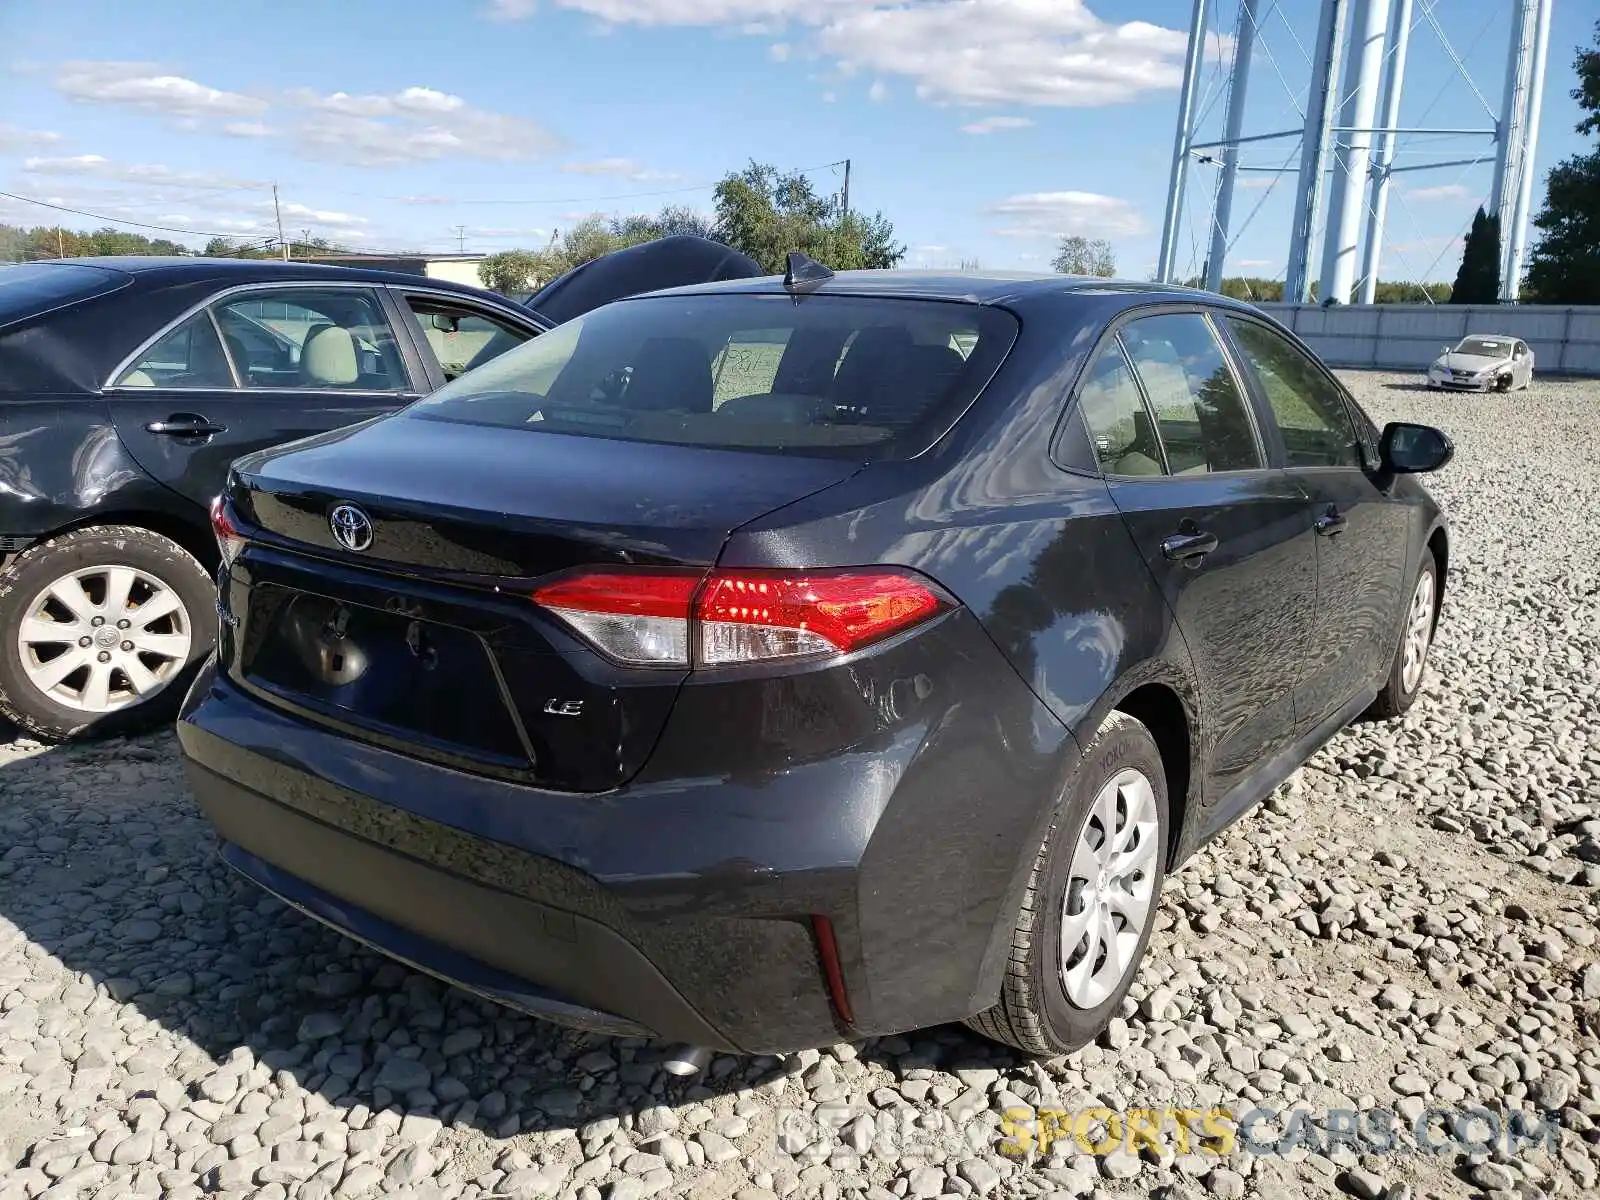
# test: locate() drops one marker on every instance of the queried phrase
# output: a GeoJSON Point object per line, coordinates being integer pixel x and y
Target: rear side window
{"type": "Point", "coordinates": [1310, 413]}
{"type": "Point", "coordinates": [312, 339]}
{"type": "Point", "coordinates": [833, 375]}
{"type": "Point", "coordinates": [188, 357]}
{"type": "Point", "coordinates": [1199, 412]}
{"type": "Point", "coordinates": [1120, 427]}
{"type": "Point", "coordinates": [32, 289]}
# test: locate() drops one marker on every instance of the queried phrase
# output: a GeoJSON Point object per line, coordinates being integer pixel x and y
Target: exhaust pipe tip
{"type": "Point", "coordinates": [684, 1060]}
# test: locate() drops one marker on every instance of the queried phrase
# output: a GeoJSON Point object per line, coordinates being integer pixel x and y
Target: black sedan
{"type": "Point", "coordinates": [770, 663]}
{"type": "Point", "coordinates": [128, 385]}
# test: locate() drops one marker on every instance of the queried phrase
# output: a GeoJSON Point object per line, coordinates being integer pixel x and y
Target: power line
{"type": "Point", "coordinates": [448, 200]}
{"type": "Point", "coordinates": [117, 220]}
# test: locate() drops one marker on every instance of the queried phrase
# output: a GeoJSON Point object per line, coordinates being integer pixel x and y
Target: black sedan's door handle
{"type": "Point", "coordinates": [1330, 523]}
{"type": "Point", "coordinates": [186, 425]}
{"type": "Point", "coordinates": [1189, 546]}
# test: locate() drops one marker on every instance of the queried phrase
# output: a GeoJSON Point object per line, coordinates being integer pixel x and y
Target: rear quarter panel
{"type": "Point", "coordinates": [1041, 556]}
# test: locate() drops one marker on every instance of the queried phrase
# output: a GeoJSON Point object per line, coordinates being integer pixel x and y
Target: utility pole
{"type": "Point", "coordinates": [1321, 104]}
{"type": "Point", "coordinates": [847, 187]}
{"type": "Point", "coordinates": [60, 248]}
{"type": "Point", "coordinates": [1187, 98]}
{"type": "Point", "coordinates": [283, 246]}
{"type": "Point", "coordinates": [1244, 38]}
{"type": "Point", "coordinates": [461, 238]}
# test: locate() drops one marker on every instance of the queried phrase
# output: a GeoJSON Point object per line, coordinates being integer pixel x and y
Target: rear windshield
{"type": "Point", "coordinates": [30, 289]}
{"type": "Point", "coordinates": [830, 375]}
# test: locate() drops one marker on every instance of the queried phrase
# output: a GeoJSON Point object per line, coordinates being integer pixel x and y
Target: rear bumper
{"type": "Point", "coordinates": [682, 906]}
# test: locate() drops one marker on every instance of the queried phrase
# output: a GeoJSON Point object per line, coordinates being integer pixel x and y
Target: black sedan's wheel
{"type": "Point", "coordinates": [1410, 663]}
{"type": "Point", "coordinates": [1091, 900]}
{"type": "Point", "coordinates": [100, 630]}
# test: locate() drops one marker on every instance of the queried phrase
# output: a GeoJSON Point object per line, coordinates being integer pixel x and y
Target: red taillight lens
{"type": "Point", "coordinates": [636, 617]}
{"type": "Point", "coordinates": [751, 616]}
{"type": "Point", "coordinates": [658, 618]}
{"type": "Point", "coordinates": [229, 540]}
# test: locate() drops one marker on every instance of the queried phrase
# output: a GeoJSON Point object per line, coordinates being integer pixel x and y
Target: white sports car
{"type": "Point", "coordinates": [1483, 362]}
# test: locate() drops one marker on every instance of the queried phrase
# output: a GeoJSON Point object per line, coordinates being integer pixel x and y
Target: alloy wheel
{"type": "Point", "coordinates": [104, 637]}
{"type": "Point", "coordinates": [1110, 889]}
{"type": "Point", "coordinates": [1419, 633]}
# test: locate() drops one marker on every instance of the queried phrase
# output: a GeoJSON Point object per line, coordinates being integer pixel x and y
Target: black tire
{"type": "Point", "coordinates": [155, 556]}
{"type": "Point", "coordinates": [1395, 699]}
{"type": "Point", "coordinates": [1034, 1014]}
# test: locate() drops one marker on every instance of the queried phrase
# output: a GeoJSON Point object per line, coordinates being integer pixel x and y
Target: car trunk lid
{"type": "Point", "coordinates": [427, 638]}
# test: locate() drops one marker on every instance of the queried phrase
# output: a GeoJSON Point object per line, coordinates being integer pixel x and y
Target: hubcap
{"type": "Point", "coordinates": [1110, 889]}
{"type": "Point", "coordinates": [1419, 632]}
{"type": "Point", "coordinates": [103, 638]}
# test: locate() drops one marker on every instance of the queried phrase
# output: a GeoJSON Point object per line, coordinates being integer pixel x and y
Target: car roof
{"type": "Point", "coordinates": [969, 287]}
{"type": "Point", "coordinates": [177, 269]}
{"type": "Point", "coordinates": [1493, 337]}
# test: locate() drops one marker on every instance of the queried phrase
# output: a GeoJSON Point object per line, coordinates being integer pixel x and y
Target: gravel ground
{"type": "Point", "coordinates": [1410, 923]}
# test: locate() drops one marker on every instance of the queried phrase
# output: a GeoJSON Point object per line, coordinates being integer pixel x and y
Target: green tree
{"type": "Point", "coordinates": [766, 214]}
{"type": "Point", "coordinates": [19, 244]}
{"type": "Point", "coordinates": [1564, 267]}
{"type": "Point", "coordinates": [1478, 280]}
{"type": "Point", "coordinates": [1078, 255]}
{"type": "Point", "coordinates": [510, 271]}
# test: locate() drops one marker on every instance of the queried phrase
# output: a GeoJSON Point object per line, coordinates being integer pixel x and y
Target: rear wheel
{"type": "Point", "coordinates": [100, 630]}
{"type": "Point", "coordinates": [1091, 900]}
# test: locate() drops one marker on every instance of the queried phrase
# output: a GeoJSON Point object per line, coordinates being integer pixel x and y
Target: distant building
{"type": "Point", "coordinates": [456, 268]}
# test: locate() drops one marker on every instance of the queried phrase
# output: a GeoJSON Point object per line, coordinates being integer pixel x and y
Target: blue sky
{"type": "Point", "coordinates": [983, 128]}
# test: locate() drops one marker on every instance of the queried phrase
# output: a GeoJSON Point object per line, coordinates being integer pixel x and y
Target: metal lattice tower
{"type": "Point", "coordinates": [1350, 137]}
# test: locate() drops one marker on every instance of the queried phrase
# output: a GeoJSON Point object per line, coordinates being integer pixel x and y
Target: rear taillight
{"type": "Point", "coordinates": [229, 540]}
{"type": "Point", "coordinates": [673, 618]}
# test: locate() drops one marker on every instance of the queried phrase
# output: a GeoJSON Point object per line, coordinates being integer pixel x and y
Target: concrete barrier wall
{"type": "Point", "coordinates": [1407, 337]}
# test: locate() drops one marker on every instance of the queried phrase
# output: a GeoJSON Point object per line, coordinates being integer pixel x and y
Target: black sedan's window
{"type": "Point", "coordinates": [1124, 437]}
{"type": "Point", "coordinates": [319, 339]}
{"type": "Point", "coordinates": [1200, 414]}
{"type": "Point", "coordinates": [843, 375]}
{"type": "Point", "coordinates": [189, 357]}
{"type": "Point", "coordinates": [1310, 412]}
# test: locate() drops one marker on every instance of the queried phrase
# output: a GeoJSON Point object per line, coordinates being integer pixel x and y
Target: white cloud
{"type": "Point", "coordinates": [147, 86]}
{"type": "Point", "coordinates": [416, 124]}
{"type": "Point", "coordinates": [878, 92]}
{"type": "Point", "coordinates": [995, 124]}
{"type": "Point", "coordinates": [99, 167]}
{"type": "Point", "coordinates": [624, 168]}
{"type": "Point", "coordinates": [1042, 52]}
{"type": "Point", "coordinates": [778, 52]}
{"type": "Point", "coordinates": [1444, 191]}
{"type": "Point", "coordinates": [248, 129]}
{"type": "Point", "coordinates": [14, 137]}
{"type": "Point", "coordinates": [829, 97]}
{"type": "Point", "coordinates": [1058, 214]}
{"type": "Point", "coordinates": [510, 10]}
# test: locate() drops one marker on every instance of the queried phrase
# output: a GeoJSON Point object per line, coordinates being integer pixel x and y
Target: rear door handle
{"type": "Point", "coordinates": [1330, 523]}
{"type": "Point", "coordinates": [1188, 547]}
{"type": "Point", "coordinates": [186, 425]}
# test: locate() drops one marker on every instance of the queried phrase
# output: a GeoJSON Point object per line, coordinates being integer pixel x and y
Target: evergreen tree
{"type": "Point", "coordinates": [1478, 280]}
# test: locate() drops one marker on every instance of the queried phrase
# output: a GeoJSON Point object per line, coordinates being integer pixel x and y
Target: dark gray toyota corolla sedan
{"type": "Point", "coordinates": [767, 663]}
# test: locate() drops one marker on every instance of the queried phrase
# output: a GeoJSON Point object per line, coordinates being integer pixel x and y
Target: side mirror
{"type": "Point", "coordinates": [1408, 449]}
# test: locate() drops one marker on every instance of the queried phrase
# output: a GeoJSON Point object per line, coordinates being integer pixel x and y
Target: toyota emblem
{"type": "Point", "coordinates": [351, 527]}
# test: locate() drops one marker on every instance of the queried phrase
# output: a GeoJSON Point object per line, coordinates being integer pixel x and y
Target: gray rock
{"type": "Point", "coordinates": [1364, 1185]}
{"type": "Point", "coordinates": [411, 1165]}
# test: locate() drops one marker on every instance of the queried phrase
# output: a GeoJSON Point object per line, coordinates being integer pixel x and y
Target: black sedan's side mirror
{"type": "Point", "coordinates": [1409, 449]}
